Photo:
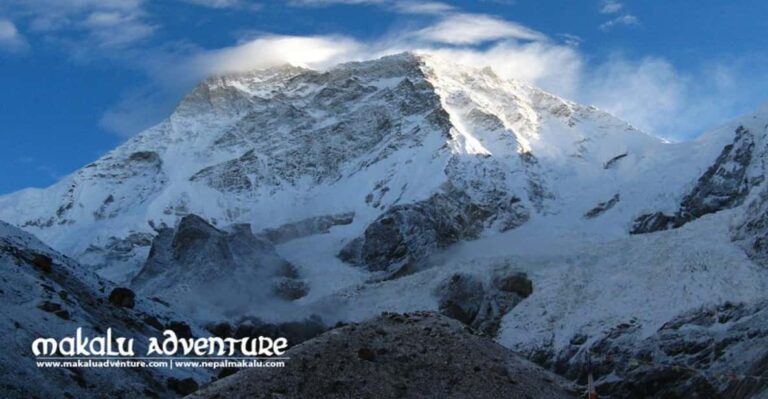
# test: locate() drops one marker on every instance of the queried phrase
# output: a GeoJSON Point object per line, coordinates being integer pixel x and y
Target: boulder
{"type": "Point", "coordinates": [122, 297]}
{"type": "Point", "coordinates": [481, 304]}
{"type": "Point", "coordinates": [184, 386]}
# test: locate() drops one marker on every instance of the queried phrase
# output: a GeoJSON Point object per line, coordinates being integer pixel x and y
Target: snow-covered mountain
{"type": "Point", "coordinates": [411, 183]}
{"type": "Point", "coordinates": [285, 144]}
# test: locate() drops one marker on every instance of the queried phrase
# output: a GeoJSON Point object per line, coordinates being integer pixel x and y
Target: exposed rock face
{"type": "Point", "coordinates": [196, 264]}
{"type": "Point", "coordinates": [479, 304]}
{"type": "Point", "coordinates": [307, 227]}
{"type": "Point", "coordinates": [602, 207]}
{"type": "Point", "coordinates": [713, 352]}
{"type": "Point", "coordinates": [122, 297]}
{"type": "Point", "coordinates": [420, 355]}
{"type": "Point", "coordinates": [724, 185]}
{"type": "Point", "coordinates": [614, 161]}
{"type": "Point", "coordinates": [752, 231]}
{"type": "Point", "coordinates": [183, 387]}
{"type": "Point", "coordinates": [400, 240]}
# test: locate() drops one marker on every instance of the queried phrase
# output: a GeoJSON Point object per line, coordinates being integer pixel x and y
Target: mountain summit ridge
{"type": "Point", "coordinates": [411, 183]}
{"type": "Point", "coordinates": [291, 139]}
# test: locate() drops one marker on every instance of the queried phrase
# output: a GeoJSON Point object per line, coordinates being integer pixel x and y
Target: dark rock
{"type": "Point", "coordinates": [226, 372]}
{"type": "Point", "coordinates": [467, 299]}
{"type": "Point", "coordinates": [184, 386]}
{"type": "Point", "coordinates": [62, 314]}
{"type": "Point", "coordinates": [652, 222]}
{"type": "Point", "coordinates": [48, 306]}
{"type": "Point", "coordinates": [144, 156]}
{"type": "Point", "coordinates": [123, 297]}
{"type": "Point", "coordinates": [222, 330]}
{"type": "Point", "coordinates": [517, 283]}
{"type": "Point", "coordinates": [614, 161]}
{"type": "Point", "coordinates": [602, 207]}
{"type": "Point", "coordinates": [42, 262]}
{"type": "Point", "coordinates": [181, 329]}
{"type": "Point", "coordinates": [366, 354]}
{"type": "Point", "coordinates": [461, 297]}
{"type": "Point", "coordinates": [153, 322]}
{"type": "Point", "coordinates": [289, 289]}
{"type": "Point", "coordinates": [404, 236]}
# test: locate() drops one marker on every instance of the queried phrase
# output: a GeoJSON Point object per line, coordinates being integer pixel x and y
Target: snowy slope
{"type": "Point", "coordinates": [45, 294]}
{"type": "Point", "coordinates": [281, 145]}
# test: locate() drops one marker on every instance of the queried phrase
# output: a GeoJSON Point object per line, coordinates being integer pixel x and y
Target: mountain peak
{"type": "Point", "coordinates": [399, 134]}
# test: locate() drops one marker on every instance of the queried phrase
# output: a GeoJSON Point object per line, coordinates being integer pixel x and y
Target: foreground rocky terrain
{"type": "Point", "coordinates": [420, 355]}
{"type": "Point", "coordinates": [45, 294]}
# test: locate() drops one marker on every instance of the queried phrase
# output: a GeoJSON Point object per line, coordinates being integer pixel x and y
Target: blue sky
{"type": "Point", "coordinates": [78, 77]}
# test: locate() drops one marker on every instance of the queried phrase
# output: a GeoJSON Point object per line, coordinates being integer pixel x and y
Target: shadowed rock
{"type": "Point", "coordinates": [481, 305]}
{"type": "Point", "coordinates": [197, 265]}
{"type": "Point", "coordinates": [723, 186]}
{"type": "Point", "coordinates": [122, 297]}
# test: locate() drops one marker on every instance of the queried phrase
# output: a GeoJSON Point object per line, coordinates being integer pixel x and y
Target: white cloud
{"type": "Point", "coordinates": [571, 40]}
{"type": "Point", "coordinates": [465, 29]}
{"type": "Point", "coordinates": [553, 67]}
{"type": "Point", "coordinates": [625, 20]}
{"type": "Point", "coordinates": [224, 4]}
{"type": "Point", "coordinates": [423, 7]}
{"type": "Point", "coordinates": [650, 93]}
{"type": "Point", "coordinates": [87, 23]}
{"type": "Point", "coordinates": [267, 51]}
{"type": "Point", "coordinates": [322, 3]}
{"type": "Point", "coordinates": [400, 6]}
{"type": "Point", "coordinates": [10, 38]}
{"type": "Point", "coordinates": [610, 6]}
{"type": "Point", "coordinates": [115, 28]}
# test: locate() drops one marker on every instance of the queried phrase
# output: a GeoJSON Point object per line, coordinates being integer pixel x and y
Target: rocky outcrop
{"type": "Point", "coordinates": [307, 227]}
{"type": "Point", "coordinates": [712, 352]}
{"type": "Point", "coordinates": [602, 207]}
{"type": "Point", "coordinates": [481, 304]}
{"type": "Point", "coordinates": [196, 264]}
{"type": "Point", "coordinates": [45, 294]}
{"type": "Point", "coordinates": [752, 231]}
{"type": "Point", "coordinates": [399, 241]}
{"type": "Point", "coordinates": [724, 185]}
{"type": "Point", "coordinates": [613, 162]}
{"type": "Point", "coordinates": [122, 297]}
{"type": "Point", "coordinates": [420, 355]}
